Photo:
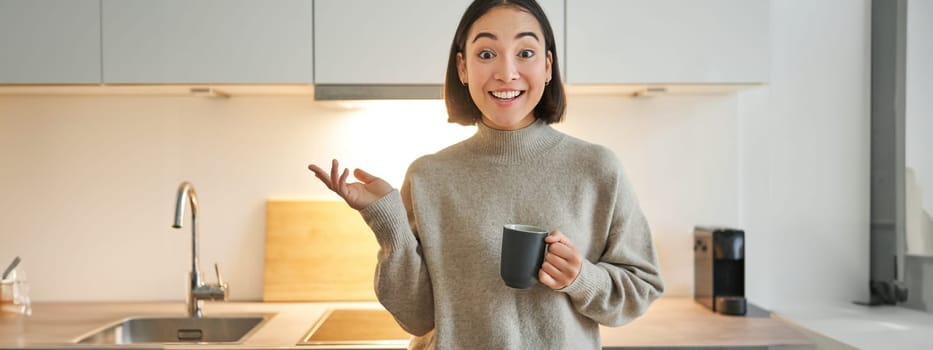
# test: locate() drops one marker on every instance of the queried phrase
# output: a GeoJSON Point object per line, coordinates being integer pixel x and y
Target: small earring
{"type": "Point", "coordinates": [547, 82]}
{"type": "Point", "coordinates": [463, 82]}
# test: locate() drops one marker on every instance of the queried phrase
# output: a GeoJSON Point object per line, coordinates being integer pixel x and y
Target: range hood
{"type": "Point", "coordinates": [332, 92]}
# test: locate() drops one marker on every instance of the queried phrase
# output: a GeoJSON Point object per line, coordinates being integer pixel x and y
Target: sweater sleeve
{"type": "Point", "coordinates": [402, 283]}
{"type": "Point", "coordinates": [621, 284]}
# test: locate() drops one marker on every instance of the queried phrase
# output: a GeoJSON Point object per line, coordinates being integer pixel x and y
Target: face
{"type": "Point", "coordinates": [505, 65]}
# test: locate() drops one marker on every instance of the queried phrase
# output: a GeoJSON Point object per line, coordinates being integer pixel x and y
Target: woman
{"type": "Point", "coordinates": [440, 236]}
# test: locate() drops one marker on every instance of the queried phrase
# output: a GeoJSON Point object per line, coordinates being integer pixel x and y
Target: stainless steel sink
{"type": "Point", "coordinates": [138, 330]}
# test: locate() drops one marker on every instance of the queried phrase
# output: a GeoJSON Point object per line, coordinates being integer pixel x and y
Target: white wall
{"type": "Point", "coordinates": [918, 120]}
{"type": "Point", "coordinates": [681, 154]}
{"type": "Point", "coordinates": [918, 115]}
{"type": "Point", "coordinates": [805, 157]}
{"type": "Point", "coordinates": [89, 181]}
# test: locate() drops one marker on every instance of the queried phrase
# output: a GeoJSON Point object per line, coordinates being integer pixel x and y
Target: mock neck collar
{"type": "Point", "coordinates": [515, 145]}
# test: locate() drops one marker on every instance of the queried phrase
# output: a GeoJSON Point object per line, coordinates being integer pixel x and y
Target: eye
{"type": "Point", "coordinates": [486, 55]}
{"type": "Point", "coordinates": [526, 54]}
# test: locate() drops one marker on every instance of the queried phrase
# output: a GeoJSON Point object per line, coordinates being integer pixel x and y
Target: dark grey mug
{"type": "Point", "coordinates": [523, 251]}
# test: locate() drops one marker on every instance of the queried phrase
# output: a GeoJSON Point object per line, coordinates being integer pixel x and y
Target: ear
{"type": "Point", "coordinates": [547, 66]}
{"type": "Point", "coordinates": [461, 67]}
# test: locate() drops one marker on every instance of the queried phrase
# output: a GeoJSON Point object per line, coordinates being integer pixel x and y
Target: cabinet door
{"type": "Point", "coordinates": [49, 41]}
{"type": "Point", "coordinates": [207, 41]}
{"type": "Point", "coordinates": [392, 42]}
{"type": "Point", "coordinates": [667, 41]}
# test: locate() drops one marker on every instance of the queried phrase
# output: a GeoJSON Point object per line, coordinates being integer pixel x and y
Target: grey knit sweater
{"type": "Point", "coordinates": [440, 237]}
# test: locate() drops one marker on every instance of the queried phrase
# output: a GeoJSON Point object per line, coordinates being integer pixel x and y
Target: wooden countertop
{"type": "Point", "coordinates": [669, 322]}
{"type": "Point", "coordinates": [681, 322]}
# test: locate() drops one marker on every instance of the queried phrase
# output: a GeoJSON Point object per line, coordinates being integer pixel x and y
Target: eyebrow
{"type": "Point", "coordinates": [493, 37]}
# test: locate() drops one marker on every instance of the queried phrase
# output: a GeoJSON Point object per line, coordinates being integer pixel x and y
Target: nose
{"type": "Point", "coordinates": [506, 69]}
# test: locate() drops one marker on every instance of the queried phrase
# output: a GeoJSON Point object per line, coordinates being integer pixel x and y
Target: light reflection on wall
{"type": "Point", "coordinates": [384, 137]}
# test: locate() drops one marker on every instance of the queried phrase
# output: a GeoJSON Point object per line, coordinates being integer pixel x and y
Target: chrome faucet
{"type": "Point", "coordinates": [198, 291]}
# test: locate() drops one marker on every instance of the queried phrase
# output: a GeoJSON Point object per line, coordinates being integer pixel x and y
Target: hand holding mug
{"type": "Point", "coordinates": [530, 253]}
{"type": "Point", "coordinates": [562, 262]}
{"type": "Point", "coordinates": [358, 195]}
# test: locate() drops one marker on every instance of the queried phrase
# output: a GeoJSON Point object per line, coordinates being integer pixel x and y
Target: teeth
{"type": "Point", "coordinates": [506, 95]}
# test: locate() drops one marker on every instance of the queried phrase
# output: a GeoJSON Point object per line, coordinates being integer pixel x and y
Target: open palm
{"type": "Point", "coordinates": [358, 195]}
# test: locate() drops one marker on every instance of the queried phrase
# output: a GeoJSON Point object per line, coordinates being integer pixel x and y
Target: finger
{"type": "Point", "coordinates": [554, 282]}
{"type": "Point", "coordinates": [343, 176]}
{"type": "Point", "coordinates": [561, 250]}
{"type": "Point", "coordinates": [343, 181]}
{"type": "Point", "coordinates": [554, 237]}
{"type": "Point", "coordinates": [559, 237]}
{"type": "Point", "coordinates": [550, 269]}
{"type": "Point", "coordinates": [567, 242]}
{"type": "Point", "coordinates": [320, 174]}
{"type": "Point", "coordinates": [363, 176]}
{"type": "Point", "coordinates": [334, 168]}
{"type": "Point", "coordinates": [547, 279]}
{"type": "Point", "coordinates": [559, 262]}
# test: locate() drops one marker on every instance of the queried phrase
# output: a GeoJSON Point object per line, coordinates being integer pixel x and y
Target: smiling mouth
{"type": "Point", "coordinates": [506, 95]}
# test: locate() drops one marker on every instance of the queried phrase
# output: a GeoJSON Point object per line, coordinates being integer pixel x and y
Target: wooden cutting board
{"type": "Point", "coordinates": [317, 251]}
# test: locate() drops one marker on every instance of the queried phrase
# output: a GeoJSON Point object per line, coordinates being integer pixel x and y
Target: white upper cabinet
{"type": "Point", "coordinates": [383, 42]}
{"type": "Point", "coordinates": [49, 41]}
{"type": "Point", "coordinates": [392, 42]}
{"type": "Point", "coordinates": [207, 41]}
{"type": "Point", "coordinates": [366, 42]}
{"type": "Point", "coordinates": [667, 41]}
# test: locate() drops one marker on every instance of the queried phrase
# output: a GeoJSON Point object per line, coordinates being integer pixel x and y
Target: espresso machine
{"type": "Point", "coordinates": [719, 269]}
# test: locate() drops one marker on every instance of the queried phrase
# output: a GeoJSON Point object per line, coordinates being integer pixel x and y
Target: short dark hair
{"type": "Point", "coordinates": [460, 106]}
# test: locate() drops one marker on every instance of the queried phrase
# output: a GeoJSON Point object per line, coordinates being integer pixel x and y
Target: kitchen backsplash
{"type": "Point", "coordinates": [89, 181]}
